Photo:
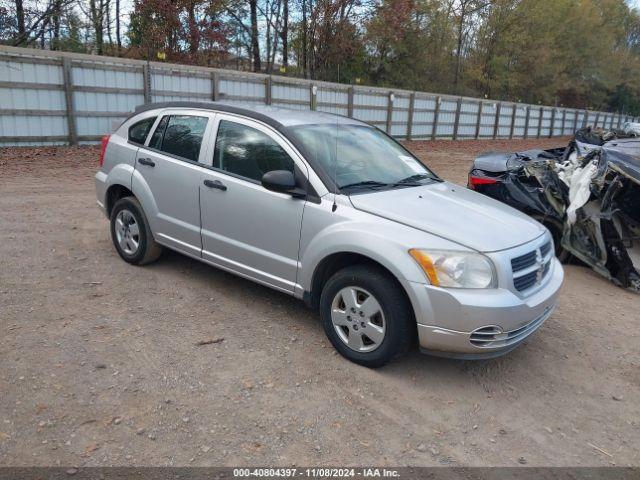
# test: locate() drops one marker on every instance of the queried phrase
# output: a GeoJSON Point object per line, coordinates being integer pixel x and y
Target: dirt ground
{"type": "Point", "coordinates": [99, 362]}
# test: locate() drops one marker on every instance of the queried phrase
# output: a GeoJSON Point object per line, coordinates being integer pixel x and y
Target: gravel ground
{"type": "Point", "coordinates": [100, 362]}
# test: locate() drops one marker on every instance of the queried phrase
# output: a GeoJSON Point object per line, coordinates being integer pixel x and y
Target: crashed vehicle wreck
{"type": "Point", "coordinates": [587, 194]}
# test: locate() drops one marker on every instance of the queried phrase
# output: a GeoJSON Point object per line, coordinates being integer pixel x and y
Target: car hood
{"type": "Point", "coordinates": [453, 212]}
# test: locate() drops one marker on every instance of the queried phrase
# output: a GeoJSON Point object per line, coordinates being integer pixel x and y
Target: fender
{"type": "Point", "coordinates": [143, 193]}
{"type": "Point", "coordinates": [120, 174]}
{"type": "Point", "coordinates": [382, 241]}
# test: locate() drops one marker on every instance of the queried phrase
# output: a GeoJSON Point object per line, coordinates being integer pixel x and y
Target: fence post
{"type": "Point", "coordinates": [313, 95]}
{"type": "Point", "coordinates": [479, 119]}
{"type": "Point", "coordinates": [496, 123]}
{"type": "Point", "coordinates": [215, 86]}
{"type": "Point", "coordinates": [575, 121]}
{"type": "Point", "coordinates": [540, 115]}
{"type": "Point", "coordinates": [553, 122]}
{"type": "Point", "coordinates": [595, 124]}
{"type": "Point", "coordinates": [526, 122]}
{"type": "Point", "coordinates": [564, 121]}
{"type": "Point", "coordinates": [585, 119]}
{"type": "Point", "coordinates": [514, 109]}
{"type": "Point", "coordinates": [146, 79]}
{"type": "Point", "coordinates": [456, 122]}
{"type": "Point", "coordinates": [350, 102]}
{"type": "Point", "coordinates": [436, 114]}
{"type": "Point", "coordinates": [68, 95]}
{"type": "Point", "coordinates": [412, 101]}
{"type": "Point", "coordinates": [390, 99]}
{"type": "Point", "coordinates": [267, 90]}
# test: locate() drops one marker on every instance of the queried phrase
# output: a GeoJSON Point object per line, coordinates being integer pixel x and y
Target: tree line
{"type": "Point", "coordinates": [573, 53]}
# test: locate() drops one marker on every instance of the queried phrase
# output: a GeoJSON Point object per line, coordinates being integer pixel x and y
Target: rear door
{"type": "Point", "coordinates": [171, 171]}
{"type": "Point", "coordinates": [245, 227]}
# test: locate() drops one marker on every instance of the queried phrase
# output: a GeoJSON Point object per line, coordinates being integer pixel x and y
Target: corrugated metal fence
{"type": "Point", "coordinates": [57, 98]}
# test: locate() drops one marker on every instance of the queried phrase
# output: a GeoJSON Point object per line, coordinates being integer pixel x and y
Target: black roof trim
{"type": "Point", "coordinates": [215, 106]}
{"type": "Point", "coordinates": [222, 107]}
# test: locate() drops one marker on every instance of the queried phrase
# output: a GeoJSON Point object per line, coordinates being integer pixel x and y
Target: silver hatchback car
{"type": "Point", "coordinates": [335, 212]}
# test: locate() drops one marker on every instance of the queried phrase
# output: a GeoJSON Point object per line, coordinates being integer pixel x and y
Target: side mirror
{"type": "Point", "coordinates": [282, 181]}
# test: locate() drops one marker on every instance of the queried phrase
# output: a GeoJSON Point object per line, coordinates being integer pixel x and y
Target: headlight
{"type": "Point", "coordinates": [447, 268]}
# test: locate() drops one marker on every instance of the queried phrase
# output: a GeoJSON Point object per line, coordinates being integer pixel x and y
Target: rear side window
{"type": "Point", "coordinates": [180, 135]}
{"type": "Point", "coordinates": [138, 131]}
{"type": "Point", "coordinates": [247, 152]}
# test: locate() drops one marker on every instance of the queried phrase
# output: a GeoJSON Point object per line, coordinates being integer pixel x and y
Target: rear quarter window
{"type": "Point", "coordinates": [138, 131]}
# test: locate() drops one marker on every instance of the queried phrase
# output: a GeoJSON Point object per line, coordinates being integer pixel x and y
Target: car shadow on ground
{"type": "Point", "coordinates": [222, 283]}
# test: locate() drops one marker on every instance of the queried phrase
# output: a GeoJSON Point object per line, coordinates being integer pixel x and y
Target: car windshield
{"type": "Point", "coordinates": [360, 157]}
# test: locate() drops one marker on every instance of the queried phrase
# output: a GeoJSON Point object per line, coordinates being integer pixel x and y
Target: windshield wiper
{"type": "Point", "coordinates": [365, 184]}
{"type": "Point", "coordinates": [412, 181]}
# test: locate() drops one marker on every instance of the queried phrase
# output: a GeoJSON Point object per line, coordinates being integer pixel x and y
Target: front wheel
{"type": "Point", "coordinates": [367, 316]}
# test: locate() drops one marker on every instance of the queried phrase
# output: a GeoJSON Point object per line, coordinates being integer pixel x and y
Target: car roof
{"type": "Point", "coordinates": [281, 119]}
{"type": "Point", "coordinates": [275, 116]}
{"type": "Point", "coordinates": [625, 154]}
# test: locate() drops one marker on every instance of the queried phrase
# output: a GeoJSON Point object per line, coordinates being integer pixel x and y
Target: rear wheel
{"type": "Point", "coordinates": [130, 233]}
{"type": "Point", "coordinates": [366, 315]}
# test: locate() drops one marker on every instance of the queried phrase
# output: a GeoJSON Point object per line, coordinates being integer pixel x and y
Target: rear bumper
{"type": "Point", "coordinates": [475, 324]}
{"type": "Point", "coordinates": [101, 190]}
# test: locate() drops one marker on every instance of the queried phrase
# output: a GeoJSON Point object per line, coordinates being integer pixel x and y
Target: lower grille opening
{"type": "Point", "coordinates": [494, 336]}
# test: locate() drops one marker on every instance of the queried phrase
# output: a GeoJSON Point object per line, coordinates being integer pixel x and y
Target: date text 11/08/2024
{"type": "Point", "coordinates": [316, 472]}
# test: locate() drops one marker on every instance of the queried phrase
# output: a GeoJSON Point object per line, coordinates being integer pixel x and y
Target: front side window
{"type": "Point", "coordinates": [180, 135]}
{"type": "Point", "coordinates": [358, 156]}
{"type": "Point", "coordinates": [248, 152]}
{"type": "Point", "coordinates": [138, 131]}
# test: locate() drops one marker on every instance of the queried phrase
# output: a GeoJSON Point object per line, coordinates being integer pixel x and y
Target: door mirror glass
{"type": "Point", "coordinates": [279, 181]}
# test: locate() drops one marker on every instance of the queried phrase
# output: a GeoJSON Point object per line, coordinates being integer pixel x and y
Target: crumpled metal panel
{"type": "Point", "coordinates": [587, 194]}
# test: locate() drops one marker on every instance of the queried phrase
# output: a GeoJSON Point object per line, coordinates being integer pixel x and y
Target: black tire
{"type": "Point", "coordinates": [147, 250]}
{"type": "Point", "coordinates": [399, 320]}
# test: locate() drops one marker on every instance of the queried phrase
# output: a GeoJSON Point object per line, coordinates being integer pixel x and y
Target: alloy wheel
{"type": "Point", "coordinates": [127, 232]}
{"type": "Point", "coordinates": [358, 319]}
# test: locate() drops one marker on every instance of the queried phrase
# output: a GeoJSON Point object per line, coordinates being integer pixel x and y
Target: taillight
{"type": "Point", "coordinates": [474, 181]}
{"type": "Point", "coordinates": [103, 148]}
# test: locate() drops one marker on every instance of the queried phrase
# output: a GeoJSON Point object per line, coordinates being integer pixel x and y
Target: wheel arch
{"type": "Point", "coordinates": [336, 261]}
{"type": "Point", "coordinates": [114, 193]}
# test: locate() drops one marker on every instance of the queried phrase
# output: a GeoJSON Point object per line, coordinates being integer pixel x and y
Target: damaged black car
{"type": "Point", "coordinates": [587, 194]}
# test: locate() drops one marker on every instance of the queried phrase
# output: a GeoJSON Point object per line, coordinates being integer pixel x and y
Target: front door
{"type": "Point", "coordinates": [245, 227]}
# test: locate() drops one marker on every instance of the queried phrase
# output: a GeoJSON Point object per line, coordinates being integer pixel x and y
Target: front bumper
{"type": "Point", "coordinates": [476, 324]}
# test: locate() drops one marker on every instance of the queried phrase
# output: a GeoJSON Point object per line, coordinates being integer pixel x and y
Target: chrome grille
{"type": "Point", "coordinates": [525, 281]}
{"type": "Point", "coordinates": [529, 269]}
{"type": "Point", "coordinates": [544, 249]}
{"type": "Point", "coordinates": [523, 261]}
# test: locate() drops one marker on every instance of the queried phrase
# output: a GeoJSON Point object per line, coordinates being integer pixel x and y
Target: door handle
{"type": "Point", "coordinates": [215, 184]}
{"type": "Point", "coordinates": [147, 161]}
